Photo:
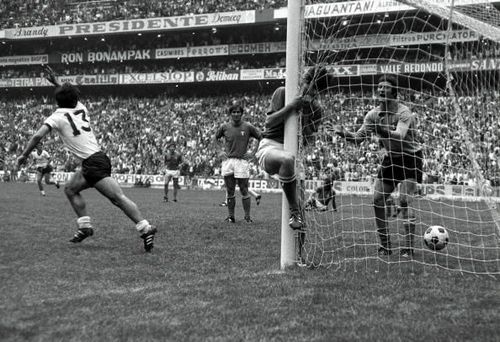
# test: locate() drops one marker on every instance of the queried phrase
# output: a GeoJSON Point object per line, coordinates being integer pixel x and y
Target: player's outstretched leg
{"type": "Point", "coordinates": [110, 188]}
{"type": "Point", "coordinates": [148, 234]}
{"type": "Point", "coordinates": [84, 229]}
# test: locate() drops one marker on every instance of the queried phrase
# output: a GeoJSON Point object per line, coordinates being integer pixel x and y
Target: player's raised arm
{"type": "Point", "coordinates": [50, 75]}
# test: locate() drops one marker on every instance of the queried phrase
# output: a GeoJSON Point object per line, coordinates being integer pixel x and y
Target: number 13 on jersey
{"type": "Point", "coordinates": [78, 121]}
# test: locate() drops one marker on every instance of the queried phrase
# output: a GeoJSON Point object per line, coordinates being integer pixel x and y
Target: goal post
{"type": "Point", "coordinates": [445, 56]}
{"type": "Point", "coordinates": [293, 64]}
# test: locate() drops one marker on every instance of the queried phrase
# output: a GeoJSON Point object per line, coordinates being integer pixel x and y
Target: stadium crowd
{"type": "Point", "coordinates": [136, 143]}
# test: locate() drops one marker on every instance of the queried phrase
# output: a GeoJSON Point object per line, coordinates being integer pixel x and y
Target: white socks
{"type": "Point", "coordinates": [142, 226]}
{"type": "Point", "coordinates": [84, 222]}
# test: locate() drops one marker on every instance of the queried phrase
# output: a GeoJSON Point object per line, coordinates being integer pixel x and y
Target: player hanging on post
{"type": "Point", "coordinates": [273, 158]}
{"type": "Point", "coordinates": [43, 168]}
{"type": "Point", "coordinates": [72, 122]}
{"type": "Point", "coordinates": [395, 125]}
{"type": "Point", "coordinates": [235, 168]}
{"type": "Point", "coordinates": [173, 162]}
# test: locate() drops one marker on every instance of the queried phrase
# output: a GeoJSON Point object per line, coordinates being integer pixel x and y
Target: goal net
{"type": "Point", "coordinates": [445, 56]}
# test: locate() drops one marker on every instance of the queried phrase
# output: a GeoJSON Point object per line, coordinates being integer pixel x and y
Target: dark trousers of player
{"type": "Point", "coordinates": [393, 171]}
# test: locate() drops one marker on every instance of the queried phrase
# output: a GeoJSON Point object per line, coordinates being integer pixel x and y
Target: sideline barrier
{"type": "Point", "coordinates": [364, 188]}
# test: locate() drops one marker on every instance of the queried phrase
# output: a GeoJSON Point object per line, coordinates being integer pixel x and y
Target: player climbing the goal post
{"type": "Point", "coordinates": [272, 156]}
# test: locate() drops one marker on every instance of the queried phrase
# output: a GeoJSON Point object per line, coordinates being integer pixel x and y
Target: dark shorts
{"type": "Point", "coordinates": [45, 170]}
{"type": "Point", "coordinates": [325, 201]}
{"type": "Point", "coordinates": [396, 169]}
{"type": "Point", "coordinates": [96, 167]}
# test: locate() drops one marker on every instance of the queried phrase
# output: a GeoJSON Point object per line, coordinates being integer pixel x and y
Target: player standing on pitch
{"type": "Point", "coordinates": [273, 158]}
{"type": "Point", "coordinates": [173, 161]}
{"type": "Point", "coordinates": [236, 169]}
{"type": "Point", "coordinates": [396, 125]}
{"type": "Point", "coordinates": [43, 168]}
{"type": "Point", "coordinates": [72, 122]}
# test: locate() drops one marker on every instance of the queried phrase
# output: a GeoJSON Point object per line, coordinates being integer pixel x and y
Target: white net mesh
{"type": "Point", "coordinates": [446, 57]}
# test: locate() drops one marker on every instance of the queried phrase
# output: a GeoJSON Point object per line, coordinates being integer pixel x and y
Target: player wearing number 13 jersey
{"type": "Point", "coordinates": [73, 127]}
{"type": "Point", "coordinates": [71, 121]}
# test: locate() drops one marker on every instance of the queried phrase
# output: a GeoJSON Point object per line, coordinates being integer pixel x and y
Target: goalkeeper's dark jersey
{"type": "Point", "coordinates": [406, 145]}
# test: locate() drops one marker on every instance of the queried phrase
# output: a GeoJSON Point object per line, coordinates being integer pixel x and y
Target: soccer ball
{"type": "Point", "coordinates": [436, 237]}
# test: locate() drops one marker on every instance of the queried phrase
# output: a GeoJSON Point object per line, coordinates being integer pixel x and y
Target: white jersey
{"type": "Point", "coordinates": [73, 126]}
{"type": "Point", "coordinates": [42, 159]}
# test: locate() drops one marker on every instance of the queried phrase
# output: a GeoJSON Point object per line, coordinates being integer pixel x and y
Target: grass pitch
{"type": "Point", "coordinates": [208, 280]}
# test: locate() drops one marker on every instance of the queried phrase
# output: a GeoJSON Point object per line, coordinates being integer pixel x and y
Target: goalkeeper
{"type": "Point", "coordinates": [396, 127]}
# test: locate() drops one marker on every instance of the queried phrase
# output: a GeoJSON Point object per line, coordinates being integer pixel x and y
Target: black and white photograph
{"type": "Point", "coordinates": [250, 170]}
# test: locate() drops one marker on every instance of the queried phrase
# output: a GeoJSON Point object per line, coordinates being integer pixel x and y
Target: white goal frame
{"type": "Point", "coordinates": [295, 16]}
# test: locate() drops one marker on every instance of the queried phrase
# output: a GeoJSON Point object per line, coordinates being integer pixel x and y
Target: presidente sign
{"type": "Point", "coordinates": [134, 25]}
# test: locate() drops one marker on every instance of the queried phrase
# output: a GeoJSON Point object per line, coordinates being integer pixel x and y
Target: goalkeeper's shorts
{"type": "Point", "coordinates": [397, 168]}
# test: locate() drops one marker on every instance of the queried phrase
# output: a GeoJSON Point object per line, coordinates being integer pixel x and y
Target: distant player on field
{"type": "Point", "coordinates": [173, 161]}
{"type": "Point", "coordinates": [236, 169]}
{"type": "Point", "coordinates": [273, 158]}
{"type": "Point", "coordinates": [323, 195]}
{"type": "Point", "coordinates": [395, 125]}
{"type": "Point", "coordinates": [43, 168]}
{"type": "Point", "coordinates": [72, 122]}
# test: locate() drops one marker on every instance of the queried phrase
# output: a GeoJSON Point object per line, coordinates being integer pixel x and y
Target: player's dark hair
{"type": "Point", "coordinates": [67, 95]}
{"type": "Point", "coordinates": [316, 78]}
{"type": "Point", "coordinates": [393, 80]}
{"type": "Point", "coordinates": [236, 107]}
